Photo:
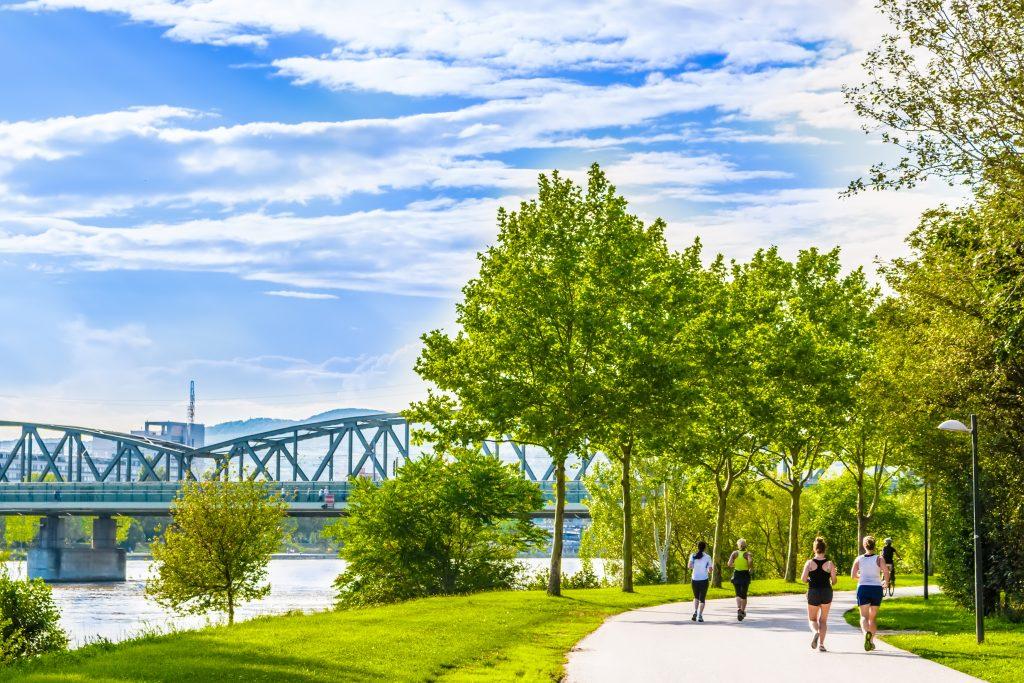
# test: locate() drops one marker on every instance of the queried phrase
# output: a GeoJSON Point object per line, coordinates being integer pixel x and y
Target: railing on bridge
{"type": "Point", "coordinates": [328, 451]}
{"type": "Point", "coordinates": [58, 496]}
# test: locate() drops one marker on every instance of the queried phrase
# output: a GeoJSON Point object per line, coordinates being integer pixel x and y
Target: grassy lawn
{"type": "Point", "coordinates": [950, 639]}
{"type": "Point", "coordinates": [520, 635]}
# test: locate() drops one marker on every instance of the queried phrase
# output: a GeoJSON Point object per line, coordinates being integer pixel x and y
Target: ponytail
{"type": "Point", "coordinates": [700, 549]}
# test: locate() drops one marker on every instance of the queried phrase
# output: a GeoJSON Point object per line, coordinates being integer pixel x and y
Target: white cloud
{"type": "Point", "coordinates": [55, 138]}
{"type": "Point", "coordinates": [295, 294]}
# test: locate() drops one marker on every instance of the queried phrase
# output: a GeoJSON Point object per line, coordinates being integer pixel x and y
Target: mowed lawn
{"type": "Point", "coordinates": [516, 635]}
{"type": "Point", "coordinates": [949, 637]}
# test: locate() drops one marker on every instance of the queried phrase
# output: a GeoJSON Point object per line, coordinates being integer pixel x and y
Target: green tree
{"type": "Point", "coordinates": [869, 444]}
{"type": "Point", "coordinates": [721, 433]}
{"type": "Point", "coordinates": [649, 368]}
{"type": "Point", "coordinates": [215, 552]}
{"type": "Point", "coordinates": [809, 339]}
{"type": "Point", "coordinates": [446, 525]}
{"type": "Point", "coordinates": [536, 325]}
{"type": "Point", "coordinates": [29, 619]}
{"type": "Point", "coordinates": [20, 530]}
{"type": "Point", "coordinates": [946, 88]}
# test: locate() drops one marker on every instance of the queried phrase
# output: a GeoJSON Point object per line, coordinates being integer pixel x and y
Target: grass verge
{"type": "Point", "coordinates": [519, 635]}
{"type": "Point", "coordinates": [949, 637]}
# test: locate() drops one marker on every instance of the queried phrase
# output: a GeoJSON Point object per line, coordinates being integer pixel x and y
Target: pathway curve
{"type": "Point", "coordinates": [772, 644]}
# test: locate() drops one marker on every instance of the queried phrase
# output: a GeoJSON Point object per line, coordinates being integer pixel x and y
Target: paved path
{"type": "Point", "coordinates": [772, 644]}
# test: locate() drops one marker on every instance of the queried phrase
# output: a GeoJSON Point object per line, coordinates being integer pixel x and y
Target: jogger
{"type": "Point", "coordinates": [872, 575]}
{"type": "Point", "coordinates": [820, 576]}
{"type": "Point", "coordinates": [742, 563]}
{"type": "Point", "coordinates": [702, 566]}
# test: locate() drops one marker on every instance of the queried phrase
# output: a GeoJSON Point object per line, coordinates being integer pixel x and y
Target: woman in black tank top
{"type": "Point", "coordinates": [819, 575]}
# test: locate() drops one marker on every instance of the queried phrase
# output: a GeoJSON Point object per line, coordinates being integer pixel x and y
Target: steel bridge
{"type": "Point", "coordinates": [61, 469]}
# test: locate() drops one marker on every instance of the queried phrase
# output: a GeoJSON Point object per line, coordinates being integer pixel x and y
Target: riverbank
{"type": "Point", "coordinates": [516, 635]}
{"type": "Point", "coordinates": [940, 631]}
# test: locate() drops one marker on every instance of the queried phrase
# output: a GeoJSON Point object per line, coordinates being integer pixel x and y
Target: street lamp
{"type": "Point", "coordinates": [979, 598]}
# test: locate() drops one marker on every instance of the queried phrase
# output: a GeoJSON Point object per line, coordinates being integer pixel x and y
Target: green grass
{"type": "Point", "coordinates": [949, 638]}
{"type": "Point", "coordinates": [520, 635]}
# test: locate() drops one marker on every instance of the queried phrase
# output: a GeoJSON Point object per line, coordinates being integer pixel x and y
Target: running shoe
{"type": "Point", "coordinates": [700, 618]}
{"type": "Point", "coordinates": [739, 615]}
{"type": "Point", "coordinates": [694, 617]}
{"type": "Point", "coordinates": [743, 614]}
{"type": "Point", "coordinates": [814, 641]}
{"type": "Point", "coordinates": [868, 645]}
{"type": "Point", "coordinates": [821, 648]}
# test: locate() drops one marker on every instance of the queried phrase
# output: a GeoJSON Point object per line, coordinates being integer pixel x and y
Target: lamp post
{"type": "Point", "coordinates": [926, 555]}
{"type": "Point", "coordinates": [979, 596]}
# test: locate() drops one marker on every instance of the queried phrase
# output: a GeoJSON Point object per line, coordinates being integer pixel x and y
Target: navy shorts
{"type": "Point", "coordinates": [869, 595]}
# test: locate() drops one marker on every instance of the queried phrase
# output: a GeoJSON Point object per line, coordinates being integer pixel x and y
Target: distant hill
{"type": "Point", "coordinates": [236, 428]}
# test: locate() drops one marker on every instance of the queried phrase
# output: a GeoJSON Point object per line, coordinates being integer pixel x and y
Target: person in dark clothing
{"type": "Point", "coordinates": [819, 575]}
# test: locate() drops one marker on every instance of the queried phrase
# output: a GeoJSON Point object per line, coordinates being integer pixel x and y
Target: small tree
{"type": "Point", "coordinates": [29, 619]}
{"type": "Point", "coordinates": [446, 525]}
{"type": "Point", "coordinates": [214, 554]}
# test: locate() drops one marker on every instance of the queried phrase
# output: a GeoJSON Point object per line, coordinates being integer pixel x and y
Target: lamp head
{"type": "Point", "coordinates": [954, 426]}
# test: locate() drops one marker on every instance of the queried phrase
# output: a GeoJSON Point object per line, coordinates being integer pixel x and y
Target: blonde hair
{"type": "Point", "coordinates": [741, 544]}
{"type": "Point", "coordinates": [869, 543]}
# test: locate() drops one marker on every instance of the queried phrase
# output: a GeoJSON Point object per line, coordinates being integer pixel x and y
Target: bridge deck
{"type": "Point", "coordinates": [155, 498]}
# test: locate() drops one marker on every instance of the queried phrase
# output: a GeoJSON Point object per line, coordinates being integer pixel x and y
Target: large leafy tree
{"type": "Point", "coordinates": [537, 328]}
{"type": "Point", "coordinates": [870, 443]}
{"type": "Point", "coordinates": [446, 525]}
{"type": "Point", "coordinates": [946, 87]}
{"type": "Point", "coordinates": [214, 554]}
{"type": "Point", "coordinates": [809, 340]}
{"type": "Point", "coordinates": [649, 368]}
{"type": "Point", "coordinates": [722, 434]}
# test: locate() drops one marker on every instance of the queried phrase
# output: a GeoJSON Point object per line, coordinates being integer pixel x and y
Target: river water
{"type": "Point", "coordinates": [117, 611]}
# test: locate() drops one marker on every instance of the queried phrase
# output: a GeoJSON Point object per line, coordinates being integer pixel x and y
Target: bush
{"type": "Point", "coordinates": [586, 577]}
{"type": "Point", "coordinates": [29, 619]}
{"type": "Point", "coordinates": [444, 525]}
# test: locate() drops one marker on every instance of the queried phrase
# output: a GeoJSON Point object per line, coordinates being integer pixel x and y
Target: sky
{"type": "Point", "coordinates": [276, 199]}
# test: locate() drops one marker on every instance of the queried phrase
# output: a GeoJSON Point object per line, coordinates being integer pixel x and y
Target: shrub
{"type": "Point", "coordinates": [444, 525]}
{"type": "Point", "coordinates": [29, 619]}
{"type": "Point", "coordinates": [586, 577]}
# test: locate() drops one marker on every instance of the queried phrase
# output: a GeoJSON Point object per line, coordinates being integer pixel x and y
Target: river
{"type": "Point", "coordinates": [117, 611]}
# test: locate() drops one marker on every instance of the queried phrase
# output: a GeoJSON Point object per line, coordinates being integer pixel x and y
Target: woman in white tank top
{"type": "Point", "coordinates": [872, 576]}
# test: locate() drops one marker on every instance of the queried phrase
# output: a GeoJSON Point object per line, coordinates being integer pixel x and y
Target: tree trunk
{"type": "Point", "coordinates": [716, 548]}
{"type": "Point", "coordinates": [862, 521]}
{"type": "Point", "coordinates": [555, 576]}
{"type": "Point", "coordinates": [231, 608]}
{"type": "Point", "coordinates": [627, 522]}
{"type": "Point", "coordinates": [794, 533]}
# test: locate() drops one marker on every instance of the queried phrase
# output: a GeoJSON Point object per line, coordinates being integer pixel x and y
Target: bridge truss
{"type": "Point", "coordinates": [324, 451]}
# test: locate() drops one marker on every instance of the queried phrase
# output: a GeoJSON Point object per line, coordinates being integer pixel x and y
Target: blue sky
{"type": "Point", "coordinates": [275, 199]}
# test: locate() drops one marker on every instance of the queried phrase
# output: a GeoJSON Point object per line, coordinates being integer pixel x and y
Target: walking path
{"type": "Point", "coordinates": [772, 644]}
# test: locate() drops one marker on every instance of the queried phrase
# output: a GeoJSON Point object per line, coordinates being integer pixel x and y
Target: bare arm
{"type": "Point", "coordinates": [855, 569]}
{"type": "Point", "coordinates": [807, 570]}
{"type": "Point", "coordinates": [884, 567]}
{"type": "Point", "coordinates": [750, 562]}
{"type": "Point", "coordinates": [832, 571]}
{"type": "Point", "coordinates": [689, 563]}
{"type": "Point", "coordinates": [732, 557]}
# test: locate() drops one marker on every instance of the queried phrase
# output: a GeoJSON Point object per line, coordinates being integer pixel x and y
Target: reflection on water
{"type": "Point", "coordinates": [119, 610]}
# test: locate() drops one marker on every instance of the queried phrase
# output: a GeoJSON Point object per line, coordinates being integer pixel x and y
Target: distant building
{"type": "Point", "coordinates": [176, 432]}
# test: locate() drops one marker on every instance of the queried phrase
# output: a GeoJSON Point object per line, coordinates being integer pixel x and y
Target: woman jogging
{"type": "Point", "coordinates": [741, 562]}
{"type": "Point", "coordinates": [872, 574]}
{"type": "Point", "coordinates": [819, 575]}
{"type": "Point", "coordinates": [700, 563]}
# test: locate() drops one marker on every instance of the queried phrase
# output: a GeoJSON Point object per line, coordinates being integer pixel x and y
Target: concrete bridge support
{"type": "Point", "coordinates": [52, 560]}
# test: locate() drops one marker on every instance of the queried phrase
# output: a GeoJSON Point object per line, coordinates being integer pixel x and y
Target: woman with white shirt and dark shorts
{"type": "Point", "coordinates": [872, 575]}
{"type": "Point", "coordinates": [702, 566]}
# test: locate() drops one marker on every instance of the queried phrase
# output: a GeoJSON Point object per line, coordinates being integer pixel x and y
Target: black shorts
{"type": "Point", "coordinates": [700, 589]}
{"type": "Point", "coordinates": [816, 597]}
{"type": "Point", "coordinates": [741, 582]}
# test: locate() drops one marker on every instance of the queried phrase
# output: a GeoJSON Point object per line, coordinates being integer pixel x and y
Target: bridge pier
{"type": "Point", "coordinates": [53, 561]}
